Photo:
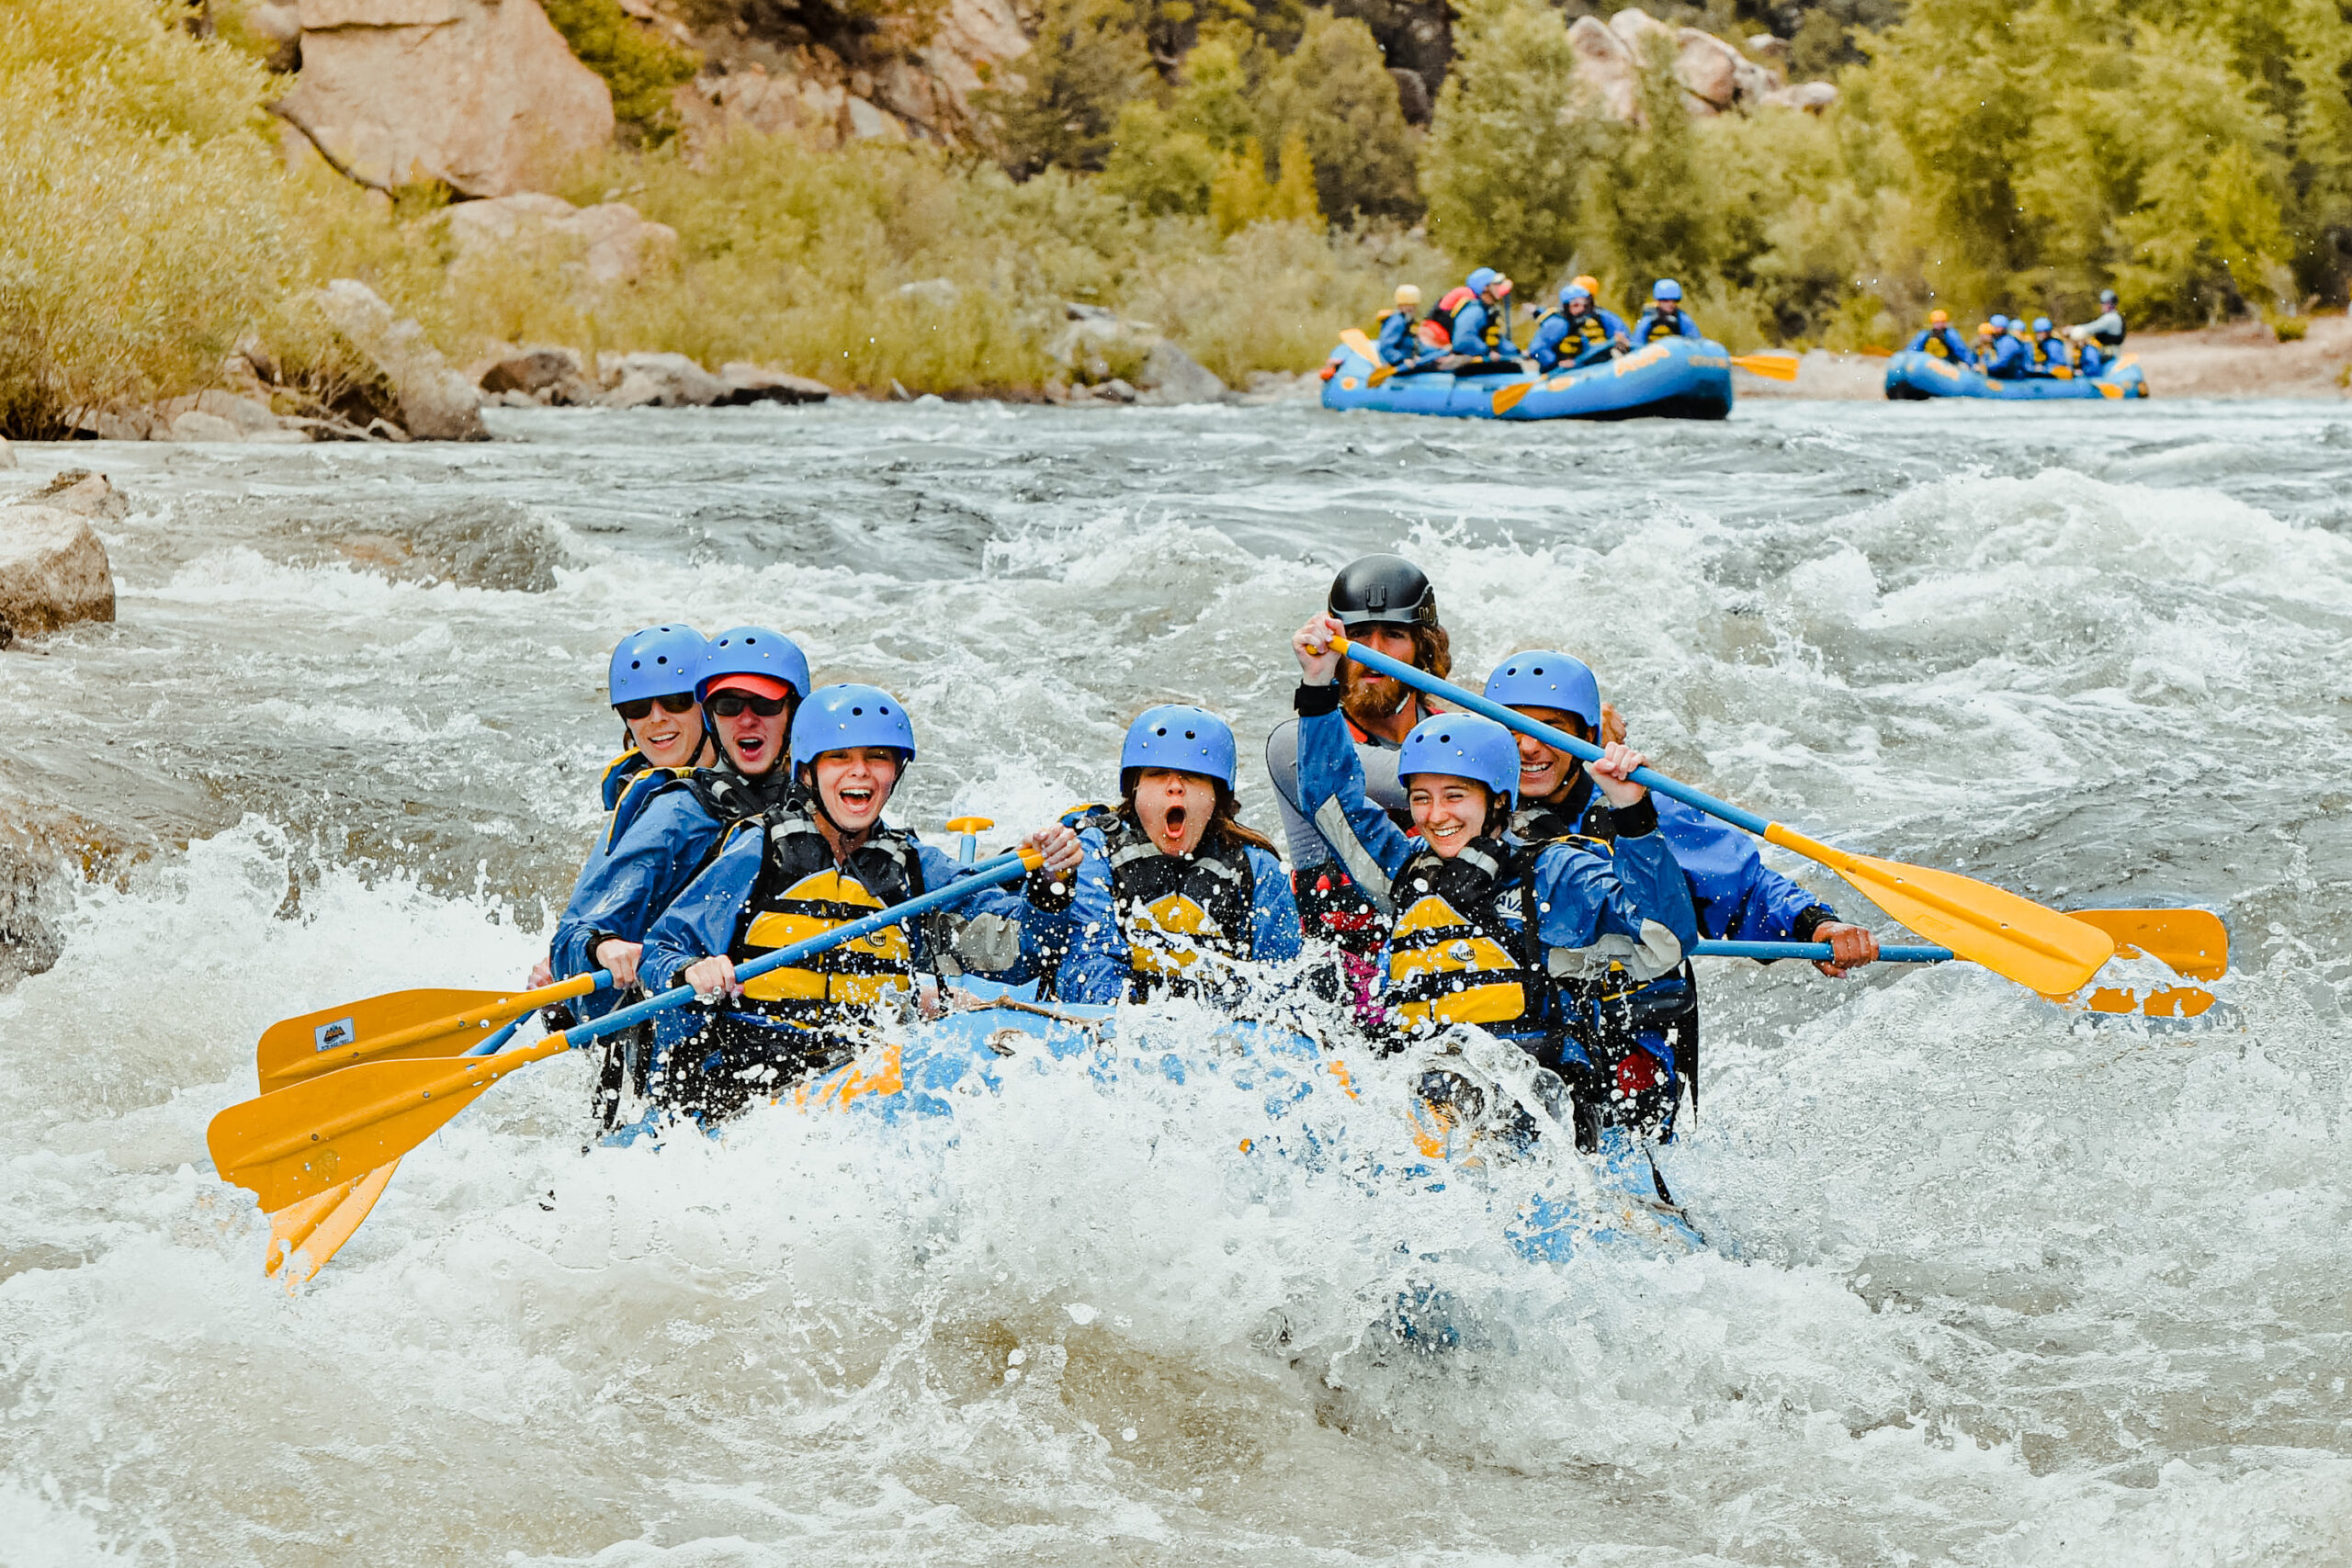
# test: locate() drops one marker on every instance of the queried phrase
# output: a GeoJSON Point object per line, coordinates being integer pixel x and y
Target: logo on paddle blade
{"type": "Point", "coordinates": [342, 1032]}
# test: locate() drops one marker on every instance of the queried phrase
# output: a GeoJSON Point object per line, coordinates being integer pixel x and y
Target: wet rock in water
{"type": "Point", "coordinates": [436, 402]}
{"type": "Point", "coordinates": [1169, 375]}
{"type": "Point", "coordinates": [532, 371]}
{"type": "Point", "coordinates": [747, 383]}
{"type": "Point", "coordinates": [7, 454]}
{"type": "Point", "coordinates": [83, 494]}
{"type": "Point", "coordinates": [482, 95]}
{"type": "Point", "coordinates": [53, 571]}
{"type": "Point", "coordinates": [657, 381]}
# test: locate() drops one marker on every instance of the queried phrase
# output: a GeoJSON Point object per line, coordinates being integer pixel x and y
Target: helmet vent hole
{"type": "Point", "coordinates": [857, 712]}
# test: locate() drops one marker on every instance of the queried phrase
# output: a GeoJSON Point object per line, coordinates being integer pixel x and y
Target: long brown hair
{"type": "Point", "coordinates": [1222, 819]}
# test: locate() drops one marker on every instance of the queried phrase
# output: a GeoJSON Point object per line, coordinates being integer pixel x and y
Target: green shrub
{"type": "Point", "coordinates": [640, 66]}
{"type": "Point", "coordinates": [1335, 93]}
{"type": "Point", "coordinates": [1089, 59]}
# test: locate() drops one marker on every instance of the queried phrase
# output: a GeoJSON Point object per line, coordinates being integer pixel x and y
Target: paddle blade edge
{"type": "Point", "coordinates": [2011, 935]}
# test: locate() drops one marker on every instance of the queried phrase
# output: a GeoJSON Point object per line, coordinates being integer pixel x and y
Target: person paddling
{"type": "Point", "coordinates": [820, 859]}
{"type": "Point", "coordinates": [2049, 351]}
{"type": "Point", "coordinates": [1938, 338]}
{"type": "Point", "coordinates": [1400, 343]}
{"type": "Point", "coordinates": [1579, 333]}
{"type": "Point", "coordinates": [2009, 359]}
{"type": "Point", "coordinates": [665, 826]}
{"type": "Point", "coordinates": [1475, 318]}
{"type": "Point", "coordinates": [1666, 316]}
{"type": "Point", "coordinates": [1492, 930]}
{"type": "Point", "coordinates": [1174, 895]}
{"type": "Point", "coordinates": [1387, 604]}
{"type": "Point", "coordinates": [1650, 1029]}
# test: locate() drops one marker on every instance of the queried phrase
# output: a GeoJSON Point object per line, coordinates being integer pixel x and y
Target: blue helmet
{"type": "Point", "coordinates": [2000, 324]}
{"type": "Point", "coordinates": [835, 718]}
{"type": "Point", "coordinates": [1178, 736]}
{"type": "Point", "coordinates": [1465, 745]}
{"type": "Point", "coordinates": [660, 661]}
{"type": "Point", "coordinates": [1575, 291]}
{"type": "Point", "coordinates": [2107, 297]}
{"type": "Point", "coordinates": [1543, 679]}
{"type": "Point", "coordinates": [1482, 279]}
{"type": "Point", "coordinates": [2041, 323]}
{"type": "Point", "coordinates": [1666, 288]}
{"type": "Point", "coordinates": [754, 650]}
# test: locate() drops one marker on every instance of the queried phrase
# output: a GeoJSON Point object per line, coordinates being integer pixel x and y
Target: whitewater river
{"type": "Point", "coordinates": [1986, 1284]}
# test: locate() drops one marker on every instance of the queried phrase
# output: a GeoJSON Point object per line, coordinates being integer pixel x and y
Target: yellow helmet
{"type": "Point", "coordinates": [1939, 318]}
{"type": "Point", "coordinates": [1407, 294]}
{"type": "Point", "coordinates": [1984, 329]}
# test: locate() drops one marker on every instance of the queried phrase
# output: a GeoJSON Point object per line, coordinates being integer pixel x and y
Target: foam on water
{"type": "Point", "coordinates": [1988, 1283]}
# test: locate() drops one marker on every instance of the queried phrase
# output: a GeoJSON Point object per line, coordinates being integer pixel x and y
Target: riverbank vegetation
{"type": "Point", "coordinates": [1245, 180]}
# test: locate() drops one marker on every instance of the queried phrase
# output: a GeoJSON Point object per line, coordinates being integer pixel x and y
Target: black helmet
{"type": "Point", "coordinates": [2107, 296]}
{"type": "Point", "coordinates": [1381, 591]}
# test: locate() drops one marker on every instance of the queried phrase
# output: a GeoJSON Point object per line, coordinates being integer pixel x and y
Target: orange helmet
{"type": "Point", "coordinates": [1939, 318]}
{"type": "Point", "coordinates": [1588, 283]}
{"type": "Point", "coordinates": [1984, 329]}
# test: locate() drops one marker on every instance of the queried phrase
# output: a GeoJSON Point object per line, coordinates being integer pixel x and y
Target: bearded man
{"type": "Point", "coordinates": [1387, 603]}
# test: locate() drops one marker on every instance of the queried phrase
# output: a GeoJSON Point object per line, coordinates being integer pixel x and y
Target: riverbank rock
{"type": "Point", "coordinates": [599, 246]}
{"type": "Point", "coordinates": [1813, 97]}
{"type": "Point", "coordinates": [1170, 376]}
{"type": "Point", "coordinates": [7, 454]}
{"type": "Point", "coordinates": [1715, 76]}
{"type": "Point", "coordinates": [747, 383]}
{"type": "Point", "coordinates": [53, 571]}
{"type": "Point", "coordinates": [482, 95]}
{"type": "Point", "coordinates": [83, 494]}
{"type": "Point", "coordinates": [1607, 69]}
{"type": "Point", "coordinates": [539, 373]}
{"type": "Point", "coordinates": [436, 402]}
{"type": "Point", "coordinates": [657, 381]}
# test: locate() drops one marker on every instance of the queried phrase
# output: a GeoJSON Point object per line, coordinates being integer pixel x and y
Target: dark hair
{"type": "Point", "coordinates": [1223, 820]}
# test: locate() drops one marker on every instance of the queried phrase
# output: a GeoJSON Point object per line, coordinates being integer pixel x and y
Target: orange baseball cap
{"type": "Point", "coordinates": [757, 686]}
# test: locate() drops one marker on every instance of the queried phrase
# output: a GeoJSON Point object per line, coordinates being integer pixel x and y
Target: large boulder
{"type": "Point", "coordinates": [1607, 69]}
{"type": "Point", "coordinates": [604, 244]}
{"type": "Point", "coordinates": [436, 402]}
{"type": "Point", "coordinates": [1813, 97]}
{"type": "Point", "coordinates": [1170, 376]}
{"type": "Point", "coordinates": [53, 571]}
{"type": "Point", "coordinates": [482, 95]}
{"type": "Point", "coordinates": [83, 494]}
{"type": "Point", "coordinates": [657, 381]}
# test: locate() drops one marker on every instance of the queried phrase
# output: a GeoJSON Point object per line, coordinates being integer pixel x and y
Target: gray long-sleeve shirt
{"type": "Point", "coordinates": [1382, 787]}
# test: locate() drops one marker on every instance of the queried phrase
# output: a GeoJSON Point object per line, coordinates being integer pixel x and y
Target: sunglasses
{"type": "Point", "coordinates": [638, 707]}
{"type": "Point", "coordinates": [730, 704]}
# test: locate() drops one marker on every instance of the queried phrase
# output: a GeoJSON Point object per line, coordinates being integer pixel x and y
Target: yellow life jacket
{"type": "Point", "coordinates": [801, 892]}
{"type": "Point", "coordinates": [1936, 345]}
{"type": "Point", "coordinates": [1177, 914]}
{"type": "Point", "coordinates": [1454, 957]}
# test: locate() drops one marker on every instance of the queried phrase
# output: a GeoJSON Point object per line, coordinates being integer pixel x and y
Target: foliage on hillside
{"type": "Point", "coordinates": [640, 66]}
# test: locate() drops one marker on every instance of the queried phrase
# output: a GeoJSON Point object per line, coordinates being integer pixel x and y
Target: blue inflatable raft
{"type": "Point", "coordinates": [1458, 1120]}
{"type": "Point", "coordinates": [1913, 376]}
{"type": "Point", "coordinates": [1671, 378]}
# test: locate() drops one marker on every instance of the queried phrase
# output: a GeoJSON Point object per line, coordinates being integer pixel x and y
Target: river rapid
{"type": "Point", "coordinates": [1988, 1283]}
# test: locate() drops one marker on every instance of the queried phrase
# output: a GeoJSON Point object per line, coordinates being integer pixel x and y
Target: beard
{"type": "Point", "coordinates": [1369, 698]}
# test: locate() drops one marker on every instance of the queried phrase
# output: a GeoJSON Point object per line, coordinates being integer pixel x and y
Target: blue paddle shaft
{"type": "Point", "coordinates": [1422, 681]}
{"type": "Point", "coordinates": [1819, 952]}
{"type": "Point", "coordinates": [1004, 868]}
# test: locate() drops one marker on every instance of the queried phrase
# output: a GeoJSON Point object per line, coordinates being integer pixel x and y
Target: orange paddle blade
{"type": "Point", "coordinates": [1353, 337]}
{"type": "Point", "coordinates": [394, 1025]}
{"type": "Point", "coordinates": [304, 1236]}
{"type": "Point", "coordinates": [1509, 397]}
{"type": "Point", "coordinates": [2038, 948]}
{"type": "Point", "coordinates": [1777, 366]}
{"type": "Point", "coordinates": [2192, 943]}
{"type": "Point", "coordinates": [319, 1134]}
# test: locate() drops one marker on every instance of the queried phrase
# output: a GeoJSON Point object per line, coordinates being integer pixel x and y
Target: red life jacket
{"type": "Point", "coordinates": [1437, 328]}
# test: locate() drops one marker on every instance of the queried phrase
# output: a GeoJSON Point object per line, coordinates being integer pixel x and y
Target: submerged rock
{"type": "Point", "coordinates": [83, 494]}
{"type": "Point", "coordinates": [53, 571]}
{"type": "Point", "coordinates": [747, 383]}
{"type": "Point", "coordinates": [436, 402]}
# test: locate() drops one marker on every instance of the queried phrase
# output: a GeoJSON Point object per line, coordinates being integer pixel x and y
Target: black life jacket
{"type": "Point", "coordinates": [1454, 957]}
{"type": "Point", "coordinates": [1450, 306]}
{"type": "Point", "coordinates": [802, 892]}
{"type": "Point", "coordinates": [1175, 912]}
{"type": "Point", "coordinates": [726, 794]}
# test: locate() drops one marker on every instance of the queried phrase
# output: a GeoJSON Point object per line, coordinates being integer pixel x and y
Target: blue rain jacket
{"type": "Point", "coordinates": [1633, 907]}
{"type": "Point", "coordinates": [1397, 345]}
{"type": "Point", "coordinates": [1096, 966]}
{"type": "Point", "coordinates": [2089, 360]}
{"type": "Point", "coordinates": [1955, 346]}
{"type": "Point", "coordinates": [2053, 354]}
{"type": "Point", "coordinates": [658, 836]}
{"type": "Point", "coordinates": [1555, 331]}
{"type": "Point", "coordinates": [1470, 324]}
{"type": "Point", "coordinates": [2010, 359]}
{"type": "Point", "coordinates": [1653, 326]}
{"type": "Point", "coordinates": [706, 920]}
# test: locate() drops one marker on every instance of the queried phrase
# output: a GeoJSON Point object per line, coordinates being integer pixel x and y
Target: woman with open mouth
{"type": "Point", "coordinates": [1488, 929]}
{"type": "Point", "coordinates": [1174, 895]}
{"type": "Point", "coordinates": [823, 859]}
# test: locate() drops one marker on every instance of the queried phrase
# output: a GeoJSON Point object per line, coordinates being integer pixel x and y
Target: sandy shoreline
{"type": "Point", "coordinates": [2238, 361]}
